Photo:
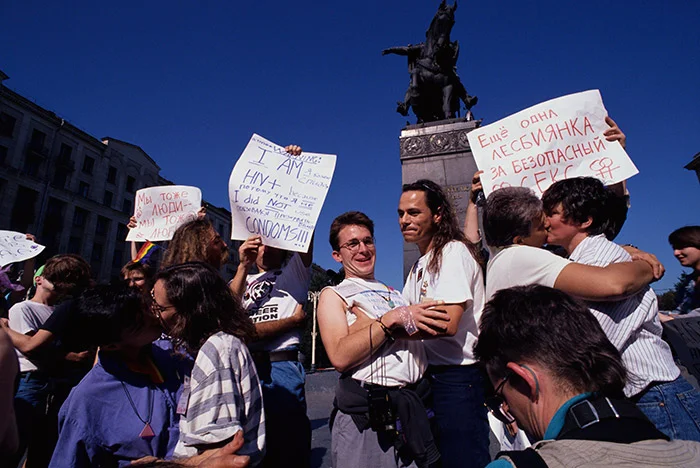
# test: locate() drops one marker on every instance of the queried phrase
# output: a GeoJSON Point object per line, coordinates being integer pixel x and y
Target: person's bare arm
{"type": "Point", "coordinates": [27, 344]}
{"type": "Point", "coordinates": [614, 133]}
{"type": "Point", "coordinates": [471, 220]}
{"type": "Point", "coordinates": [276, 327]}
{"type": "Point", "coordinates": [134, 250]}
{"type": "Point", "coordinates": [220, 457]}
{"type": "Point", "coordinates": [247, 253]}
{"type": "Point", "coordinates": [347, 347]}
{"type": "Point", "coordinates": [614, 282]}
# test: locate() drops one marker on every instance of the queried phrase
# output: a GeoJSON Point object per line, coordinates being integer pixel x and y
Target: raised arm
{"type": "Point", "coordinates": [247, 253]}
{"type": "Point", "coordinates": [471, 220]}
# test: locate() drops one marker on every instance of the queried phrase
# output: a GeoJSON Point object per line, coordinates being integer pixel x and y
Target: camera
{"type": "Point", "coordinates": [381, 415]}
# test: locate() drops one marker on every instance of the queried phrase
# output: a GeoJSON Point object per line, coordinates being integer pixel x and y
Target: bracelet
{"type": "Point", "coordinates": [408, 323]}
{"type": "Point", "coordinates": [386, 330]}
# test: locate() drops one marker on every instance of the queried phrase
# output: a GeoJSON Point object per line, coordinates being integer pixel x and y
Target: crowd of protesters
{"type": "Point", "coordinates": [554, 355]}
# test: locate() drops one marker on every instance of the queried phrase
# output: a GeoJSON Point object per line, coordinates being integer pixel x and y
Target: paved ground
{"type": "Point", "coordinates": [320, 390]}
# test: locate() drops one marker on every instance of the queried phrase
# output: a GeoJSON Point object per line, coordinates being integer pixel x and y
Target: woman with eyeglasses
{"type": "Point", "coordinates": [223, 395]}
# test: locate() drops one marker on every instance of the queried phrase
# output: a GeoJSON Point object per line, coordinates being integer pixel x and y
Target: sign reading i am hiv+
{"type": "Point", "coordinates": [278, 195]}
{"type": "Point", "coordinates": [159, 211]}
{"type": "Point", "coordinates": [15, 247]}
{"type": "Point", "coordinates": [554, 140]}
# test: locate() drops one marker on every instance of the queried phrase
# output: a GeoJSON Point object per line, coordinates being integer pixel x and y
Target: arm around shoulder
{"type": "Point", "coordinates": [615, 281]}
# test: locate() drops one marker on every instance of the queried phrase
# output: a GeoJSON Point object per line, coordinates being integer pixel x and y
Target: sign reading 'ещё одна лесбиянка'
{"type": "Point", "coordinates": [554, 140]}
{"type": "Point", "coordinates": [278, 195]}
{"type": "Point", "coordinates": [159, 211]}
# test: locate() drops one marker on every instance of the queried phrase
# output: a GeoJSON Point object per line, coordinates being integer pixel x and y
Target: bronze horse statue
{"type": "Point", "coordinates": [435, 89]}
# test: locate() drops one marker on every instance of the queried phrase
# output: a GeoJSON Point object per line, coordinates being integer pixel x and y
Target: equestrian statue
{"type": "Point", "coordinates": [435, 90]}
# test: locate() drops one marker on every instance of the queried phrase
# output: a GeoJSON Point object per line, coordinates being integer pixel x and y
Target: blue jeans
{"type": "Point", "coordinates": [33, 424]}
{"type": "Point", "coordinates": [462, 426]}
{"type": "Point", "coordinates": [674, 407]}
{"type": "Point", "coordinates": [287, 427]}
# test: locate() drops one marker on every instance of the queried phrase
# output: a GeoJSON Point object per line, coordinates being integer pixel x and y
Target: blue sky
{"type": "Point", "coordinates": [190, 82]}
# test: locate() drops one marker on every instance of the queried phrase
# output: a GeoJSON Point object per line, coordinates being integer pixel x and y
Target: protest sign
{"type": "Point", "coordinates": [159, 211]}
{"type": "Point", "coordinates": [551, 141]}
{"type": "Point", "coordinates": [15, 247]}
{"type": "Point", "coordinates": [278, 195]}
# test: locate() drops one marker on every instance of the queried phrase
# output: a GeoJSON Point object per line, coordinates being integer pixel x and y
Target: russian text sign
{"type": "Point", "coordinates": [551, 141]}
{"type": "Point", "coordinates": [15, 247]}
{"type": "Point", "coordinates": [159, 211]}
{"type": "Point", "coordinates": [278, 195]}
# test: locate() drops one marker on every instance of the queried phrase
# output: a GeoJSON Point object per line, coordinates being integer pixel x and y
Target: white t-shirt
{"type": "Point", "coordinates": [273, 295]}
{"type": "Point", "coordinates": [395, 364]}
{"type": "Point", "coordinates": [459, 280]}
{"type": "Point", "coordinates": [27, 317]}
{"type": "Point", "coordinates": [521, 265]}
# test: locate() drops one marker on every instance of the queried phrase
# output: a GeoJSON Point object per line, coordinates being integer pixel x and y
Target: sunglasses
{"type": "Point", "coordinates": [496, 402]}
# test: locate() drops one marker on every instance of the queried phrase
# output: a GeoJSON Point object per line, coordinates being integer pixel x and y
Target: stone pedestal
{"type": "Point", "coordinates": [438, 151]}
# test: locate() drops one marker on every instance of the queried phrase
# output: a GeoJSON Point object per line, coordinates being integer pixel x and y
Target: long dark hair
{"type": "Point", "coordinates": [446, 229]}
{"type": "Point", "coordinates": [204, 304]}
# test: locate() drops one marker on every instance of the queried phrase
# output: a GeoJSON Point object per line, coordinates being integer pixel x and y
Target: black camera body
{"type": "Point", "coordinates": [381, 414]}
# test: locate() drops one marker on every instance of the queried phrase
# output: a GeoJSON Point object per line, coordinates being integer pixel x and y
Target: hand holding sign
{"type": "Point", "coordinates": [278, 193]}
{"type": "Point", "coordinates": [558, 139]}
{"type": "Point", "coordinates": [159, 211]}
{"type": "Point", "coordinates": [17, 247]}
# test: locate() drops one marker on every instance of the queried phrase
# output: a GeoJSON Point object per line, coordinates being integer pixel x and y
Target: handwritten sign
{"type": "Point", "coordinates": [278, 195]}
{"type": "Point", "coordinates": [15, 247]}
{"type": "Point", "coordinates": [551, 141]}
{"type": "Point", "coordinates": [159, 211]}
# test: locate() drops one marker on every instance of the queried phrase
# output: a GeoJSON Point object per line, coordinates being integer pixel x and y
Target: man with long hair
{"type": "Point", "coordinates": [449, 270]}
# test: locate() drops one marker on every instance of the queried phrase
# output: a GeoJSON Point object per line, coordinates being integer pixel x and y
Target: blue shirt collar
{"type": "Point", "coordinates": [557, 423]}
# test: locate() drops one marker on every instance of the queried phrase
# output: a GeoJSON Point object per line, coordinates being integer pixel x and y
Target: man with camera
{"type": "Point", "coordinates": [379, 417]}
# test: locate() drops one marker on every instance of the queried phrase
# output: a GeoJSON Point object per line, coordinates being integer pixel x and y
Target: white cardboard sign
{"type": "Point", "coordinates": [278, 195]}
{"type": "Point", "coordinates": [159, 211]}
{"type": "Point", "coordinates": [14, 247]}
{"type": "Point", "coordinates": [558, 139]}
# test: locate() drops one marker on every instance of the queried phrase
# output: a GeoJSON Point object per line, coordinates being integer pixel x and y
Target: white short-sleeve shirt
{"type": "Point", "coordinates": [459, 280]}
{"type": "Point", "coordinates": [27, 317]}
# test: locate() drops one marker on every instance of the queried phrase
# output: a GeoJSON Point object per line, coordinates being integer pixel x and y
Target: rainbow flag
{"type": "Point", "coordinates": [145, 252]}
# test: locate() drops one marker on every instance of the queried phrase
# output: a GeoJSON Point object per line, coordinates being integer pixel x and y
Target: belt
{"type": "Point", "coordinates": [276, 356]}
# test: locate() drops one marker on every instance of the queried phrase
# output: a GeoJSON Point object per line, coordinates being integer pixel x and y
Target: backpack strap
{"type": "Point", "coordinates": [528, 458]}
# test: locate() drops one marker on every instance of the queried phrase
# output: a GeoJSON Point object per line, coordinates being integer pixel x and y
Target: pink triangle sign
{"type": "Point", "coordinates": [147, 432]}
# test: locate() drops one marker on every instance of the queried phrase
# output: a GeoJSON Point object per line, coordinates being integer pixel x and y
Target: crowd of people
{"type": "Point", "coordinates": [555, 355]}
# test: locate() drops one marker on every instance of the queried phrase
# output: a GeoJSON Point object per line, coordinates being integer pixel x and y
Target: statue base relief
{"type": "Point", "coordinates": [438, 151]}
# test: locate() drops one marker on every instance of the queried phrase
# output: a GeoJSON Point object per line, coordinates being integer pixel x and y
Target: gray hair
{"type": "Point", "coordinates": [509, 213]}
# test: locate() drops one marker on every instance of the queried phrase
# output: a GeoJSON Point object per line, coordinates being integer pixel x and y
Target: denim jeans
{"type": "Point", "coordinates": [33, 424]}
{"type": "Point", "coordinates": [463, 428]}
{"type": "Point", "coordinates": [287, 427]}
{"type": "Point", "coordinates": [674, 407]}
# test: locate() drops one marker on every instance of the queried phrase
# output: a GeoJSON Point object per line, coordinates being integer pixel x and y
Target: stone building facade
{"type": "Point", "coordinates": [73, 191]}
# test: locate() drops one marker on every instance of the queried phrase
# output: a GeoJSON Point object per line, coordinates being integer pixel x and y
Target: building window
{"type": "Point", "coordinates": [96, 256]}
{"type": "Point", "coordinates": [88, 164]}
{"type": "Point", "coordinates": [79, 217]}
{"type": "Point", "coordinates": [102, 225]}
{"type": "Point", "coordinates": [130, 181]}
{"type": "Point", "coordinates": [32, 164]}
{"type": "Point", "coordinates": [107, 200]}
{"type": "Point", "coordinates": [83, 189]}
{"type": "Point", "coordinates": [38, 139]}
{"type": "Point", "coordinates": [60, 177]}
{"type": "Point", "coordinates": [74, 245]}
{"type": "Point", "coordinates": [126, 207]}
{"type": "Point", "coordinates": [65, 152]}
{"type": "Point", "coordinates": [3, 155]}
{"type": "Point", "coordinates": [121, 232]}
{"type": "Point", "coordinates": [7, 125]}
{"type": "Point", "coordinates": [118, 259]}
{"type": "Point", "coordinates": [112, 175]}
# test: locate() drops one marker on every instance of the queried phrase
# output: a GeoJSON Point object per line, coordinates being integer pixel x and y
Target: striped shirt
{"type": "Point", "coordinates": [224, 397]}
{"type": "Point", "coordinates": [632, 324]}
